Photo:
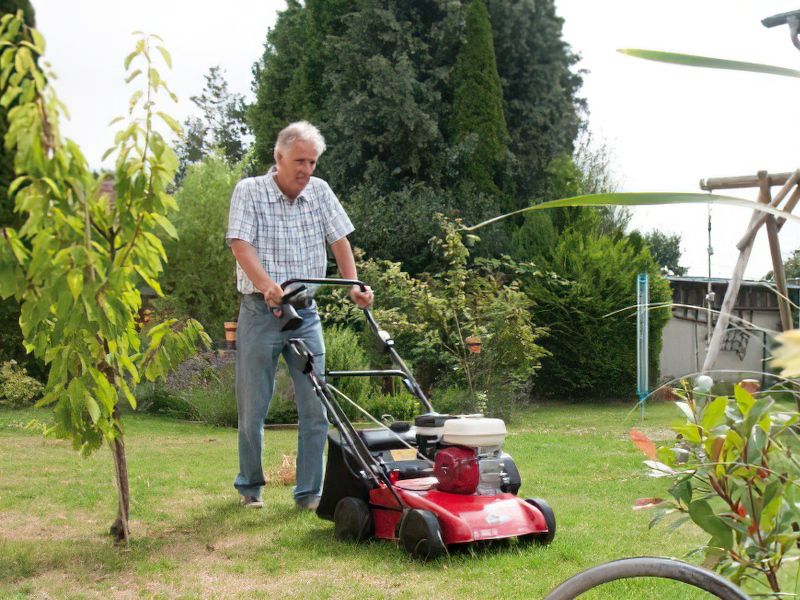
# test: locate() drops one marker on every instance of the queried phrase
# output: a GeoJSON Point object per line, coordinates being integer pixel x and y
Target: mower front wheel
{"type": "Point", "coordinates": [421, 535]}
{"type": "Point", "coordinates": [352, 520]}
{"type": "Point", "coordinates": [549, 519]}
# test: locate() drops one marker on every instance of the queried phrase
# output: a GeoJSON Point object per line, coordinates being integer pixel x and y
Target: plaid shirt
{"type": "Point", "coordinates": [289, 236]}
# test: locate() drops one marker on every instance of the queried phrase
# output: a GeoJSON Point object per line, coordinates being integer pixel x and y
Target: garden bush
{"type": "Point", "coordinates": [155, 398]}
{"type": "Point", "coordinates": [576, 294]}
{"type": "Point", "coordinates": [200, 277]}
{"type": "Point", "coordinates": [391, 407]}
{"type": "Point", "coordinates": [215, 402]}
{"type": "Point", "coordinates": [17, 388]}
{"type": "Point", "coordinates": [733, 473]}
{"type": "Point", "coordinates": [430, 317]}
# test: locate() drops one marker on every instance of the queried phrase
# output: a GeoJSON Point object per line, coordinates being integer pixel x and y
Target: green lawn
{"type": "Point", "coordinates": [191, 540]}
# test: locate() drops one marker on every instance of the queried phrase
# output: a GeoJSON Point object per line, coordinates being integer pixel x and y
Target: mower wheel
{"type": "Point", "coordinates": [352, 520]}
{"type": "Point", "coordinates": [549, 519]}
{"type": "Point", "coordinates": [421, 535]}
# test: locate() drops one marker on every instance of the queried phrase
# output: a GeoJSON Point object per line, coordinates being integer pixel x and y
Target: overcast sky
{"type": "Point", "coordinates": [666, 126]}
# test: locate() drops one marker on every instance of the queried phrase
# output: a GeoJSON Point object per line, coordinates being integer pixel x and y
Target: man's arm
{"type": "Point", "coordinates": [346, 264]}
{"type": "Point", "coordinates": [247, 258]}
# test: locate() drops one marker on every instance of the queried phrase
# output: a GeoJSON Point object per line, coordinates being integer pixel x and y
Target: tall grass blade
{"type": "Point", "coordinates": [707, 62]}
{"type": "Point", "coordinates": [645, 199]}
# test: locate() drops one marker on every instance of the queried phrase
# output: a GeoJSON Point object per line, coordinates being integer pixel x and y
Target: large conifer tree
{"type": "Point", "coordinates": [477, 124]}
{"type": "Point", "coordinates": [540, 91]}
{"type": "Point", "coordinates": [420, 109]}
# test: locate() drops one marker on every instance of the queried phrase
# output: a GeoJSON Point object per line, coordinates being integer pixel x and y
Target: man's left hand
{"type": "Point", "coordinates": [362, 299]}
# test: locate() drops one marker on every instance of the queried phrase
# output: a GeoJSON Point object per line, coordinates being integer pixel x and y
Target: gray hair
{"type": "Point", "coordinates": [299, 130]}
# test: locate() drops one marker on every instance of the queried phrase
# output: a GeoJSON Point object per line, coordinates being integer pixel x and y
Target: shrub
{"type": "Point", "coordinates": [17, 388]}
{"type": "Point", "coordinates": [453, 401]}
{"type": "Point", "coordinates": [400, 407]}
{"type": "Point", "coordinates": [155, 398]}
{"type": "Point", "coordinates": [199, 280]}
{"type": "Point", "coordinates": [734, 474]}
{"type": "Point", "coordinates": [430, 318]}
{"type": "Point", "coordinates": [344, 351]}
{"type": "Point", "coordinates": [575, 295]}
{"type": "Point", "coordinates": [215, 402]}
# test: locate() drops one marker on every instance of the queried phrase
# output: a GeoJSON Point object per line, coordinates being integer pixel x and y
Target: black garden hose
{"type": "Point", "coordinates": [647, 566]}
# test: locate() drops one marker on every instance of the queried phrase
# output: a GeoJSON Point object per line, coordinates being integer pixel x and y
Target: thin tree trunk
{"type": "Point", "coordinates": [119, 529]}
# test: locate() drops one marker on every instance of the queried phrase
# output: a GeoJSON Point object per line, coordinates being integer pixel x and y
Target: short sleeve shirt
{"type": "Point", "coordinates": [290, 236]}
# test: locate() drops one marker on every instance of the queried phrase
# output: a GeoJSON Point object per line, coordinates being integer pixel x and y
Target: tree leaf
{"type": "Point", "coordinates": [714, 413]}
{"type": "Point", "coordinates": [130, 57]}
{"type": "Point", "coordinates": [38, 41]}
{"type": "Point", "coordinates": [93, 408]}
{"type": "Point", "coordinates": [133, 75]}
{"type": "Point", "coordinates": [171, 123]}
{"type": "Point", "coordinates": [75, 283]}
{"type": "Point", "coordinates": [644, 443]}
{"type": "Point", "coordinates": [166, 225]}
{"type": "Point", "coordinates": [644, 199]}
{"type": "Point", "coordinates": [703, 515]}
{"type": "Point", "coordinates": [686, 410]}
{"type": "Point", "coordinates": [744, 400]}
{"type": "Point", "coordinates": [707, 62]}
{"type": "Point", "coordinates": [165, 54]}
{"type": "Point", "coordinates": [659, 469]}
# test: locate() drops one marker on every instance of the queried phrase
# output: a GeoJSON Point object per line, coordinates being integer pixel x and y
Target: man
{"type": "Point", "coordinates": [278, 228]}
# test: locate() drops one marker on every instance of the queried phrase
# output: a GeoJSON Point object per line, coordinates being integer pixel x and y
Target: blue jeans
{"type": "Point", "coordinates": [259, 345]}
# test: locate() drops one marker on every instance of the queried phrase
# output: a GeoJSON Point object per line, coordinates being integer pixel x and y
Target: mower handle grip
{"type": "Point", "coordinates": [326, 281]}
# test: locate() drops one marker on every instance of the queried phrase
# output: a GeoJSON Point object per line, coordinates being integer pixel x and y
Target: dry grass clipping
{"type": "Point", "coordinates": [285, 474]}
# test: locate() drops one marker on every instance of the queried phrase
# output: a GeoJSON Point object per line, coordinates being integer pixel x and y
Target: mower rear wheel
{"type": "Point", "coordinates": [549, 519]}
{"type": "Point", "coordinates": [421, 535]}
{"type": "Point", "coordinates": [352, 520]}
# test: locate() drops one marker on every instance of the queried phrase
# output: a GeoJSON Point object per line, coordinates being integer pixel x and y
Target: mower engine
{"type": "Point", "coordinates": [467, 454]}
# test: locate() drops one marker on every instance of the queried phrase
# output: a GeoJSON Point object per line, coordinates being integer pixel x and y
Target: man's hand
{"type": "Point", "coordinates": [362, 299]}
{"type": "Point", "coordinates": [273, 296]}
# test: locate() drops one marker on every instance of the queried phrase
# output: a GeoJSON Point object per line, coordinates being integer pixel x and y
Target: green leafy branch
{"type": "Point", "coordinates": [734, 475]}
{"type": "Point", "coordinates": [86, 247]}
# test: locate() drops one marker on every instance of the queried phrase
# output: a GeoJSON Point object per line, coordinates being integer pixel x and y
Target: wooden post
{"type": "Point", "coordinates": [789, 206]}
{"type": "Point", "coordinates": [732, 292]}
{"type": "Point", "coordinates": [779, 274]}
{"type": "Point", "coordinates": [746, 181]}
{"type": "Point", "coordinates": [747, 239]}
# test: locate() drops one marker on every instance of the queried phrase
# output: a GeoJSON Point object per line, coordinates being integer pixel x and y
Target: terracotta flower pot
{"type": "Point", "coordinates": [230, 334]}
{"type": "Point", "coordinates": [473, 343]}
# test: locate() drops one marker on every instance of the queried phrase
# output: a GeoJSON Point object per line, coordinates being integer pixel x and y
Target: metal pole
{"type": "Point", "coordinates": [642, 346]}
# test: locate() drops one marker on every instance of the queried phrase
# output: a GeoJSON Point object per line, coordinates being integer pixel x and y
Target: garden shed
{"type": "Point", "coordinates": [748, 338]}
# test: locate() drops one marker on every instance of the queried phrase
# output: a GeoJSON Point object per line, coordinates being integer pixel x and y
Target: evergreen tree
{"type": "Point", "coordinates": [540, 92]}
{"type": "Point", "coordinates": [280, 81]}
{"type": "Point", "coordinates": [222, 126]}
{"type": "Point", "coordinates": [385, 103]}
{"type": "Point", "coordinates": [412, 99]}
{"type": "Point", "coordinates": [477, 118]}
{"type": "Point", "coordinates": [666, 250]}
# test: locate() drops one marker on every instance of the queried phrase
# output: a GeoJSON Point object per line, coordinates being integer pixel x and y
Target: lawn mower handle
{"type": "Point", "coordinates": [387, 343]}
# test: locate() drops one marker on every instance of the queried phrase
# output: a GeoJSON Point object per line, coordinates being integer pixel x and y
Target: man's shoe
{"type": "Point", "coordinates": [307, 504]}
{"type": "Point", "coordinates": [252, 502]}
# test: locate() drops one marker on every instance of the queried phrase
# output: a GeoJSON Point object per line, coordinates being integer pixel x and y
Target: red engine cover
{"type": "Point", "coordinates": [457, 470]}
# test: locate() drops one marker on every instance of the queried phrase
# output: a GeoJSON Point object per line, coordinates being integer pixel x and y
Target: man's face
{"type": "Point", "coordinates": [295, 167]}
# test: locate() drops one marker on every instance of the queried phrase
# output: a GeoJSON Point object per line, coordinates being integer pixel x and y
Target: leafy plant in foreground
{"type": "Point", "coordinates": [734, 474]}
{"type": "Point", "coordinates": [85, 247]}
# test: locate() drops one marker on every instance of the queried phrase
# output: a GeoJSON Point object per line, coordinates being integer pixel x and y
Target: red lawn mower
{"type": "Point", "coordinates": [443, 480]}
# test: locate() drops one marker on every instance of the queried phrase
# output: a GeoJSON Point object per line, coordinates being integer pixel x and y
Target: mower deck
{"type": "Point", "coordinates": [462, 518]}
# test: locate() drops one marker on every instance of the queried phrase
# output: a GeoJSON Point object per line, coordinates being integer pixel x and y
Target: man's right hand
{"type": "Point", "coordinates": [273, 296]}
